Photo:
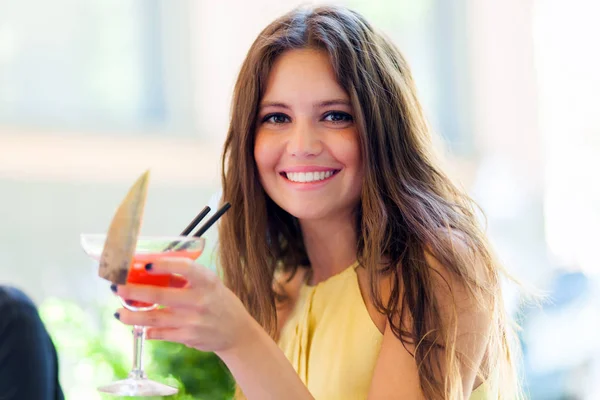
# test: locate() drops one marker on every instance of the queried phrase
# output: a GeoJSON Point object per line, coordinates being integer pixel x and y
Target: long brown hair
{"type": "Point", "coordinates": [408, 208]}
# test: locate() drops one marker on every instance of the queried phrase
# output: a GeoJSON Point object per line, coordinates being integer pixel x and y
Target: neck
{"type": "Point", "coordinates": [330, 246]}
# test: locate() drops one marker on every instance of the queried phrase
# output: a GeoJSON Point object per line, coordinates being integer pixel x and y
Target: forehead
{"type": "Point", "coordinates": [302, 74]}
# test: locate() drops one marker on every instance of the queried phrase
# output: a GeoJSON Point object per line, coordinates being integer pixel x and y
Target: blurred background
{"type": "Point", "coordinates": [94, 92]}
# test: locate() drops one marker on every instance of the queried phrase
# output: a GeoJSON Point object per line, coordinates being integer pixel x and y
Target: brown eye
{"type": "Point", "coordinates": [276, 118]}
{"type": "Point", "coordinates": [338, 117]}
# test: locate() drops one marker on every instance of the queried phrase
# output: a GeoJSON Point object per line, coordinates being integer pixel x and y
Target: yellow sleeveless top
{"type": "Point", "coordinates": [332, 342]}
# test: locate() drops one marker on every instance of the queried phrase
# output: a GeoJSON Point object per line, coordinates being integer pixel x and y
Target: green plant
{"type": "Point", "coordinates": [93, 352]}
{"type": "Point", "coordinates": [202, 375]}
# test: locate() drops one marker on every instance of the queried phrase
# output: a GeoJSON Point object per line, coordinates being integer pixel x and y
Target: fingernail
{"type": "Point", "coordinates": [113, 287]}
{"type": "Point", "coordinates": [148, 267]}
{"type": "Point", "coordinates": [117, 316]}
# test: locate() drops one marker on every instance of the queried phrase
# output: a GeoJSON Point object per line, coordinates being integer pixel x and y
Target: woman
{"type": "Point", "coordinates": [353, 267]}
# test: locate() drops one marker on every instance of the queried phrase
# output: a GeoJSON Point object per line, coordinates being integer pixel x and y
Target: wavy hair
{"type": "Point", "coordinates": [408, 206]}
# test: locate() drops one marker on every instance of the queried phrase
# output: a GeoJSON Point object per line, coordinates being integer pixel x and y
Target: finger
{"type": "Point", "coordinates": [177, 281]}
{"type": "Point", "coordinates": [196, 275]}
{"type": "Point", "coordinates": [164, 317]}
{"type": "Point", "coordinates": [173, 297]}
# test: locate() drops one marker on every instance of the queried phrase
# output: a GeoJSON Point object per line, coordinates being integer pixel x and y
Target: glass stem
{"type": "Point", "coordinates": [137, 371]}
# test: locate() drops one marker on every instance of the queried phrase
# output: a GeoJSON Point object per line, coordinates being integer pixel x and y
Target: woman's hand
{"type": "Point", "coordinates": [203, 314]}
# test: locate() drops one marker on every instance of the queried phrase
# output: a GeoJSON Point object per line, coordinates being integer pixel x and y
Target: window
{"type": "Point", "coordinates": [98, 65]}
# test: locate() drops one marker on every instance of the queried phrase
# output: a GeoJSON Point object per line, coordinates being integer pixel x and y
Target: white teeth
{"type": "Point", "coordinates": [304, 177]}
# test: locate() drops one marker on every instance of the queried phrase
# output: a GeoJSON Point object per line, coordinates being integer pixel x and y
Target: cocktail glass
{"type": "Point", "coordinates": [148, 249]}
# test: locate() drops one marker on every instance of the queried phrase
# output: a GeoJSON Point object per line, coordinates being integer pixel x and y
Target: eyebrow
{"type": "Point", "coordinates": [326, 103]}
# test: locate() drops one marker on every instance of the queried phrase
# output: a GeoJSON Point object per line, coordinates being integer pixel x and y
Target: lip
{"type": "Point", "coordinates": [309, 185]}
{"type": "Point", "coordinates": [308, 168]}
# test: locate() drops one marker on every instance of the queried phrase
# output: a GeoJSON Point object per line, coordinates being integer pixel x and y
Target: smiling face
{"type": "Point", "coordinates": [307, 147]}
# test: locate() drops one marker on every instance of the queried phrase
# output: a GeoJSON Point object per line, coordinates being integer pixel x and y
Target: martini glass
{"type": "Point", "coordinates": [148, 249]}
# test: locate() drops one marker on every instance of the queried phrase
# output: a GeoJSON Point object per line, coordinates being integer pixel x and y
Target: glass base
{"type": "Point", "coordinates": [138, 387]}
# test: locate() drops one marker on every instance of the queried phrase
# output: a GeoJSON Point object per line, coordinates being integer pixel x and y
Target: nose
{"type": "Point", "coordinates": [304, 141]}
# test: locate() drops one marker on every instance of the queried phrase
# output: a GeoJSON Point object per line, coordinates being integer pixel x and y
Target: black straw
{"type": "Point", "coordinates": [190, 227]}
{"type": "Point", "coordinates": [212, 220]}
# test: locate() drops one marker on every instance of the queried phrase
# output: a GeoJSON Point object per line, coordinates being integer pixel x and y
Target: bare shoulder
{"type": "Point", "coordinates": [461, 283]}
{"type": "Point", "coordinates": [459, 288]}
{"type": "Point", "coordinates": [456, 287]}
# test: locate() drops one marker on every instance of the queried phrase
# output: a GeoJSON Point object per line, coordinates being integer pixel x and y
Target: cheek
{"type": "Point", "coordinates": [265, 155]}
{"type": "Point", "coordinates": [349, 151]}
{"type": "Point", "coordinates": [351, 155]}
{"type": "Point", "coordinates": [260, 152]}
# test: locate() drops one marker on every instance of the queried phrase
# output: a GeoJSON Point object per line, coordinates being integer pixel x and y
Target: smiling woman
{"type": "Point", "coordinates": [353, 267]}
{"type": "Point", "coordinates": [307, 147]}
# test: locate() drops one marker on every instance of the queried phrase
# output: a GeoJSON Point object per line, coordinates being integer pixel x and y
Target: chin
{"type": "Point", "coordinates": [316, 212]}
{"type": "Point", "coordinates": [306, 213]}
